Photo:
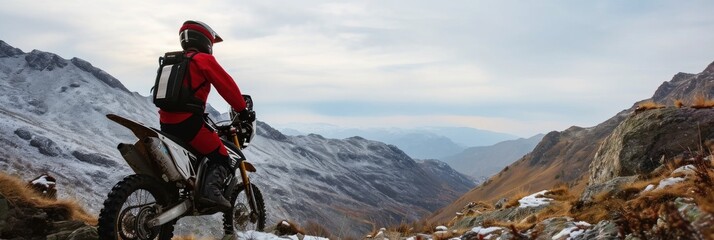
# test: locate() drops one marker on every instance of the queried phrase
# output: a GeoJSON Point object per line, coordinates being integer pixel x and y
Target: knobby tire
{"type": "Point", "coordinates": [107, 224]}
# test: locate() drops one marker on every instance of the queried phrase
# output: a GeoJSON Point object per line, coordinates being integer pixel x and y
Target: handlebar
{"type": "Point", "coordinates": [238, 125]}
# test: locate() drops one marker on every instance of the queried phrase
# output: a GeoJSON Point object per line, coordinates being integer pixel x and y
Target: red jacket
{"type": "Point", "coordinates": [204, 67]}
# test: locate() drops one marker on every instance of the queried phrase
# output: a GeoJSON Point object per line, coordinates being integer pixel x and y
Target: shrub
{"type": "Point", "coordinates": [678, 103]}
{"type": "Point", "coordinates": [315, 229]}
{"type": "Point", "coordinates": [702, 101]}
{"type": "Point", "coordinates": [647, 105]}
{"type": "Point", "coordinates": [17, 192]}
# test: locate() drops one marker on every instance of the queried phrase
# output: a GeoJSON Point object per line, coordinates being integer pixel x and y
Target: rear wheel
{"type": "Point", "coordinates": [241, 218]}
{"type": "Point", "coordinates": [130, 205]}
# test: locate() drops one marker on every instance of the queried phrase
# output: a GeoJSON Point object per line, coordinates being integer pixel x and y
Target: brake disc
{"type": "Point", "coordinates": [240, 214]}
{"type": "Point", "coordinates": [127, 224]}
{"type": "Point", "coordinates": [143, 231]}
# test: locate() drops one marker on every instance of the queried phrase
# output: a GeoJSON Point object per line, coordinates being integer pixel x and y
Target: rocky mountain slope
{"type": "Point", "coordinates": [482, 162]}
{"type": "Point", "coordinates": [566, 157]}
{"type": "Point", "coordinates": [651, 179]}
{"type": "Point", "coordinates": [52, 119]}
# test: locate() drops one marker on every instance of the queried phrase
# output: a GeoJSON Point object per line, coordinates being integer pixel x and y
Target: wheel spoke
{"type": "Point", "coordinates": [243, 217]}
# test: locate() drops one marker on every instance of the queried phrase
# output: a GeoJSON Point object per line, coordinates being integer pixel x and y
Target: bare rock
{"type": "Point", "coordinates": [609, 186]}
{"type": "Point", "coordinates": [603, 230]}
{"type": "Point", "coordinates": [46, 146]}
{"type": "Point", "coordinates": [98, 73]}
{"type": "Point", "coordinates": [94, 158]}
{"type": "Point", "coordinates": [501, 202]}
{"type": "Point", "coordinates": [8, 51]}
{"type": "Point", "coordinates": [639, 142]}
{"type": "Point", "coordinates": [40, 60]}
{"type": "Point", "coordinates": [23, 133]}
{"type": "Point", "coordinates": [270, 132]}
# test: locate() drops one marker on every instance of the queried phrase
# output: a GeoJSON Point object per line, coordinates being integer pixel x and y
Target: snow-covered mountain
{"type": "Point", "coordinates": [421, 143]}
{"type": "Point", "coordinates": [52, 119]}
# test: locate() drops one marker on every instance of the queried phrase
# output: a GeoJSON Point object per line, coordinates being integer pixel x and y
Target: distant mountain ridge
{"type": "Point", "coordinates": [482, 162]}
{"type": "Point", "coordinates": [422, 143]}
{"type": "Point", "coordinates": [52, 113]}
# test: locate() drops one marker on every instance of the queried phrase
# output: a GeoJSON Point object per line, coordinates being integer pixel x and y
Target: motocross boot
{"type": "Point", "coordinates": [211, 193]}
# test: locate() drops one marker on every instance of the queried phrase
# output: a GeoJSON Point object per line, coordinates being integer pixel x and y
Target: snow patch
{"type": "Point", "coordinates": [269, 236]}
{"type": "Point", "coordinates": [572, 232]}
{"type": "Point", "coordinates": [43, 180]}
{"type": "Point", "coordinates": [534, 201]}
{"type": "Point", "coordinates": [687, 169]}
{"type": "Point", "coordinates": [485, 233]}
{"type": "Point", "coordinates": [664, 183]}
{"type": "Point", "coordinates": [669, 182]}
{"type": "Point", "coordinates": [488, 230]}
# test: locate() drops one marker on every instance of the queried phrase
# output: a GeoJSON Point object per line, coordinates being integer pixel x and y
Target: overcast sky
{"type": "Point", "coordinates": [519, 67]}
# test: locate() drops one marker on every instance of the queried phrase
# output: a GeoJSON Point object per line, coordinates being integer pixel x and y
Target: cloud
{"type": "Point", "coordinates": [545, 64]}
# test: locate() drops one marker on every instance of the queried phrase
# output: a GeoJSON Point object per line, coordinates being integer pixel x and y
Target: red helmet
{"type": "Point", "coordinates": [198, 35]}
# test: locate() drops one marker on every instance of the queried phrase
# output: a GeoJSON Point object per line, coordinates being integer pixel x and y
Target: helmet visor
{"type": "Point", "coordinates": [216, 38]}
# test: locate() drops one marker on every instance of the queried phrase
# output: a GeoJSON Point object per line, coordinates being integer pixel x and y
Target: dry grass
{"type": "Point", "coordinates": [638, 211]}
{"type": "Point", "coordinates": [704, 185]}
{"type": "Point", "coordinates": [595, 212]}
{"type": "Point", "coordinates": [702, 101]}
{"type": "Point", "coordinates": [678, 103]}
{"type": "Point", "coordinates": [18, 193]}
{"type": "Point", "coordinates": [404, 229]}
{"type": "Point", "coordinates": [642, 216]}
{"type": "Point", "coordinates": [645, 214]}
{"type": "Point", "coordinates": [604, 204]}
{"type": "Point", "coordinates": [563, 201]}
{"type": "Point", "coordinates": [648, 105]}
{"type": "Point", "coordinates": [518, 226]}
{"type": "Point", "coordinates": [560, 192]}
{"type": "Point", "coordinates": [313, 228]}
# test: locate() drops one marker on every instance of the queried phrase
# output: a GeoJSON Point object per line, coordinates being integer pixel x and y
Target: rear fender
{"type": "Point", "coordinates": [139, 158]}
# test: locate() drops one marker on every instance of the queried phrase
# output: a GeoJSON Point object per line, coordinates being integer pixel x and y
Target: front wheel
{"type": "Point", "coordinates": [240, 217]}
{"type": "Point", "coordinates": [130, 205]}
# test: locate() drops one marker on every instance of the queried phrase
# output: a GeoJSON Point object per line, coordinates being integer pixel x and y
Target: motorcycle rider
{"type": "Point", "coordinates": [197, 39]}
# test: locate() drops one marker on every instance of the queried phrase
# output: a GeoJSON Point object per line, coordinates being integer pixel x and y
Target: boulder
{"type": "Point", "coordinates": [638, 143]}
{"type": "Point", "coordinates": [46, 146]}
{"type": "Point", "coordinates": [501, 202]}
{"type": "Point", "coordinates": [23, 133]}
{"type": "Point", "coordinates": [603, 230]}
{"type": "Point", "coordinates": [611, 186]}
{"type": "Point", "coordinates": [95, 159]}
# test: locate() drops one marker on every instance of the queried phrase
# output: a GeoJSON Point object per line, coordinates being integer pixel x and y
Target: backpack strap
{"type": "Point", "coordinates": [193, 90]}
{"type": "Point", "coordinates": [188, 70]}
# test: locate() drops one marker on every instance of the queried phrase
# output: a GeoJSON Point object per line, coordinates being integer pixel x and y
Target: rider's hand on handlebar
{"type": "Point", "coordinates": [245, 115]}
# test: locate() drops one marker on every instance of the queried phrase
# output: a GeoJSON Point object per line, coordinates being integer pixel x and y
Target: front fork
{"type": "Point", "coordinates": [246, 184]}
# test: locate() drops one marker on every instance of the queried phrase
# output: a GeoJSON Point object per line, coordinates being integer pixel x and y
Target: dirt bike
{"type": "Point", "coordinates": [146, 205]}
